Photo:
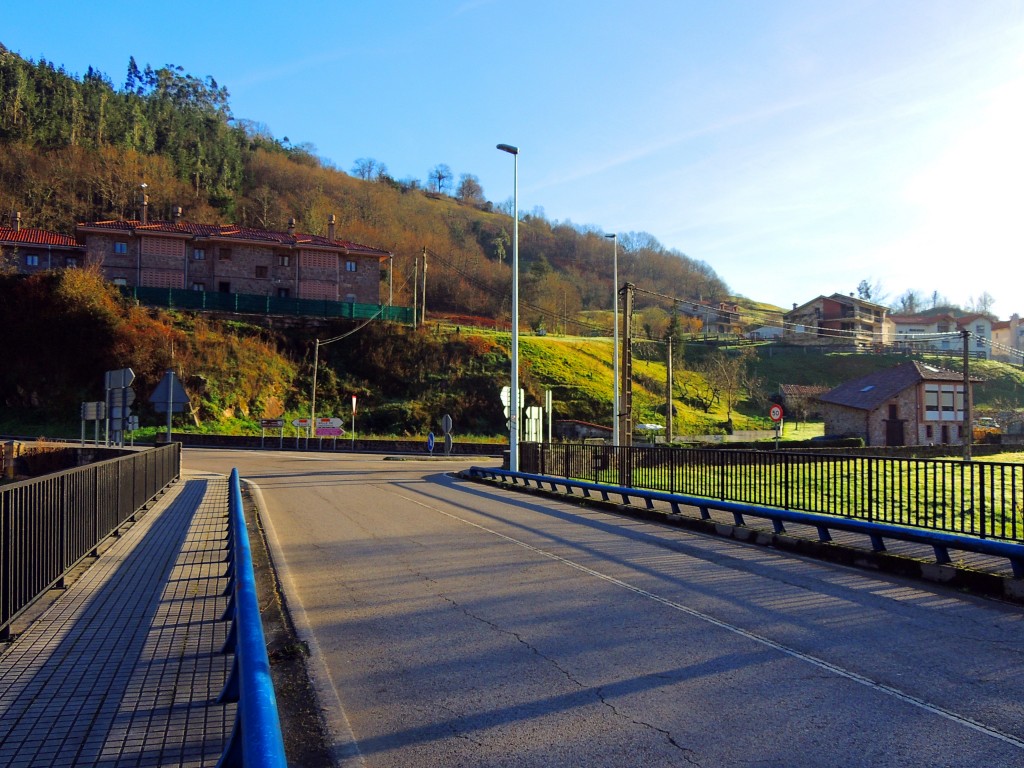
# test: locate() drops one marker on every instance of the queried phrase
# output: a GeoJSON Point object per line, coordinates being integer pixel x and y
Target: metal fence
{"type": "Point", "coordinates": [984, 499]}
{"type": "Point", "coordinates": [256, 739]}
{"type": "Point", "coordinates": [213, 301]}
{"type": "Point", "coordinates": [49, 524]}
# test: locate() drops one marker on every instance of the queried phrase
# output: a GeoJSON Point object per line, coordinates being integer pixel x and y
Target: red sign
{"type": "Point", "coordinates": [775, 412]}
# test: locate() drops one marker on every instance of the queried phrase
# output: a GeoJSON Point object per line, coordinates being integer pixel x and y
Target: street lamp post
{"type": "Point", "coordinates": [513, 421]}
{"type": "Point", "coordinates": [615, 337]}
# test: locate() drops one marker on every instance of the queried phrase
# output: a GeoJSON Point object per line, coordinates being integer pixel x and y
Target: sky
{"type": "Point", "coordinates": [798, 147]}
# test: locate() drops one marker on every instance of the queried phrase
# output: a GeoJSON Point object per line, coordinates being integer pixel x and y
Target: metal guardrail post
{"type": "Point", "coordinates": [256, 740]}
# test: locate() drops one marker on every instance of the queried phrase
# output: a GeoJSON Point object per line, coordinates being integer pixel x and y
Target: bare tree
{"type": "Point", "coordinates": [909, 302]}
{"type": "Point", "coordinates": [367, 168]}
{"type": "Point", "coordinates": [441, 175]}
{"type": "Point", "coordinates": [469, 189]}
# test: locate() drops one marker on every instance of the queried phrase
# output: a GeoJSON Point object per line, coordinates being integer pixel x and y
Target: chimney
{"type": "Point", "coordinates": [291, 226]}
{"type": "Point", "coordinates": [145, 205]}
{"type": "Point", "coordinates": [17, 221]}
{"type": "Point", "coordinates": [330, 227]}
{"type": "Point", "coordinates": [177, 214]}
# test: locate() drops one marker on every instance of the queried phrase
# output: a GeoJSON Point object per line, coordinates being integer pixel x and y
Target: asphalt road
{"type": "Point", "coordinates": [460, 625]}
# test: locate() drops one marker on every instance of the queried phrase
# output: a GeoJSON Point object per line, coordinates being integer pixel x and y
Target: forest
{"type": "Point", "coordinates": [78, 149]}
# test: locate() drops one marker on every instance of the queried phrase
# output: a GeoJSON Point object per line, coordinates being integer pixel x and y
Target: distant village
{"type": "Point", "coordinates": [226, 259]}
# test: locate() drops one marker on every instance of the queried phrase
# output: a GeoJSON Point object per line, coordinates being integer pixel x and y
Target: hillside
{"type": "Point", "coordinates": [78, 149]}
{"type": "Point", "coordinates": [64, 329]}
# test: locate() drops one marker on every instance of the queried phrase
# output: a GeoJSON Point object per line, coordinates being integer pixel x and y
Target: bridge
{"type": "Point", "coordinates": [454, 623]}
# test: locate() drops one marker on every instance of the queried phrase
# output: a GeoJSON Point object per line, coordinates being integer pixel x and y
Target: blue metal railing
{"type": "Point", "coordinates": [877, 532]}
{"type": "Point", "coordinates": [256, 740]}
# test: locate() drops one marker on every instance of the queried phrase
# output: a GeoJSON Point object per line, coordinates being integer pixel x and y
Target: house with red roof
{"type": "Point", "coordinates": [910, 404]}
{"type": "Point", "coordinates": [837, 319]}
{"type": "Point", "coordinates": [233, 259]}
{"type": "Point", "coordinates": [30, 250]}
{"type": "Point", "coordinates": [944, 333]}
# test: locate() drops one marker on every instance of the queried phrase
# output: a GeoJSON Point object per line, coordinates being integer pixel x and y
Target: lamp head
{"type": "Point", "coordinates": [509, 148]}
{"type": "Point", "coordinates": [612, 236]}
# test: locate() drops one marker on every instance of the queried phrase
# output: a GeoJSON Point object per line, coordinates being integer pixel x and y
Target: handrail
{"type": "Point", "coordinates": [50, 524]}
{"type": "Point", "coordinates": [256, 740]}
{"type": "Point", "coordinates": [940, 542]}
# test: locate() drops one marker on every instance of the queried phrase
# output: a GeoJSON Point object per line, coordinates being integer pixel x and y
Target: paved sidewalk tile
{"type": "Point", "coordinates": [124, 669]}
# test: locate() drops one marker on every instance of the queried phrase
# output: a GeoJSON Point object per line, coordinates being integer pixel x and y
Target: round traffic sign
{"type": "Point", "coordinates": [775, 412]}
{"type": "Point", "coordinates": [430, 442]}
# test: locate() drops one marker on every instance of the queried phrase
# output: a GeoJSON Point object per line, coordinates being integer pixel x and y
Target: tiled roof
{"type": "Point", "coordinates": [233, 232]}
{"type": "Point", "coordinates": [871, 391]}
{"type": "Point", "coordinates": [36, 237]}
{"type": "Point", "coordinates": [802, 390]}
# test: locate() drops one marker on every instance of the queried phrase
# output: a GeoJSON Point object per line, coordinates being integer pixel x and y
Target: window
{"type": "Point", "coordinates": [199, 254]}
{"type": "Point", "coordinates": [350, 266]}
{"type": "Point", "coordinates": [71, 262]}
{"type": "Point", "coordinates": [224, 254]}
{"type": "Point", "coordinates": [224, 287]}
{"type": "Point", "coordinates": [198, 286]}
{"type": "Point", "coordinates": [350, 298]}
{"type": "Point", "coordinates": [282, 293]}
{"type": "Point", "coordinates": [261, 271]}
{"type": "Point", "coordinates": [928, 432]}
{"type": "Point", "coordinates": [32, 260]}
{"type": "Point", "coordinates": [283, 259]}
{"type": "Point", "coordinates": [931, 402]}
{"type": "Point", "coordinates": [120, 281]}
{"type": "Point", "coordinates": [121, 248]}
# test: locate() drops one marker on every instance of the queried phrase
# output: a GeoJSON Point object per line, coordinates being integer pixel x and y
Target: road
{"type": "Point", "coordinates": [462, 625]}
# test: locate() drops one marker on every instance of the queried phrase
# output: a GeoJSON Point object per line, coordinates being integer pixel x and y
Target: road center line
{"type": "Point", "coordinates": [792, 652]}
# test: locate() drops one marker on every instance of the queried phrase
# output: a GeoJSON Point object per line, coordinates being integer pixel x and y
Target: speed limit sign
{"type": "Point", "coordinates": [775, 412]}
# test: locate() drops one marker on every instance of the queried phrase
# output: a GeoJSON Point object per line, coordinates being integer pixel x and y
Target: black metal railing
{"type": "Point", "coordinates": [49, 524]}
{"type": "Point", "coordinates": [984, 499]}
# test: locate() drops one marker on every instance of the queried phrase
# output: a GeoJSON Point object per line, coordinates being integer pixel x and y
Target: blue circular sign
{"type": "Point", "coordinates": [430, 442]}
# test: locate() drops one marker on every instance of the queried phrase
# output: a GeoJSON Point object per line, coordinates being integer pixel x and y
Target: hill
{"type": "Point", "coordinates": [64, 329]}
{"type": "Point", "coordinates": [78, 149]}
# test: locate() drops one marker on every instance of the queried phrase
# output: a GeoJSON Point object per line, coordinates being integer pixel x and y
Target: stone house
{"type": "Point", "coordinates": [27, 250]}
{"type": "Point", "coordinates": [911, 404]}
{"type": "Point", "coordinates": [233, 259]}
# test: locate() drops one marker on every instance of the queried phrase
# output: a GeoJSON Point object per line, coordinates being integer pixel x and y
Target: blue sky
{"type": "Point", "coordinates": [796, 146]}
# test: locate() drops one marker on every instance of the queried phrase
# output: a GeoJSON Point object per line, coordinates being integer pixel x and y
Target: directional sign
{"type": "Point", "coordinates": [329, 431]}
{"type": "Point", "coordinates": [775, 413]}
{"type": "Point", "coordinates": [430, 442]}
{"type": "Point", "coordinates": [327, 422]}
{"type": "Point", "coordinates": [271, 423]}
{"type": "Point", "coordinates": [94, 411]}
{"type": "Point", "coordinates": [120, 379]}
{"type": "Point", "coordinates": [300, 422]}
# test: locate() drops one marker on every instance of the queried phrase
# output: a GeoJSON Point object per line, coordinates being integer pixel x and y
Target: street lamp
{"type": "Point", "coordinates": [615, 336]}
{"type": "Point", "coordinates": [513, 420]}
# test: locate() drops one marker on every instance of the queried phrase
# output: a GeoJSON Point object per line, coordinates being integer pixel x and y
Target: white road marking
{"type": "Point", "coordinates": [792, 652]}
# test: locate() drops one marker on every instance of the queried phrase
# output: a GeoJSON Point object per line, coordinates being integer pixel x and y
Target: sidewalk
{"type": "Point", "coordinates": [124, 669]}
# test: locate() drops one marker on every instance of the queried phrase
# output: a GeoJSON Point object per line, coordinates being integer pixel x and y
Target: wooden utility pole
{"type": "Point", "coordinates": [668, 395]}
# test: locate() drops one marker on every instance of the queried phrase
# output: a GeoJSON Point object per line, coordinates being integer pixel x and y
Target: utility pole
{"type": "Point", "coordinates": [423, 313]}
{"type": "Point", "coordinates": [968, 426]}
{"type": "Point", "coordinates": [416, 291]}
{"type": "Point", "coordinates": [668, 395]}
{"type": "Point", "coordinates": [626, 404]}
